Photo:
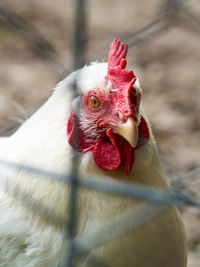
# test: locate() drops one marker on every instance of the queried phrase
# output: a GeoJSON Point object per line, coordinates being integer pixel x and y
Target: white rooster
{"type": "Point", "coordinates": [115, 142]}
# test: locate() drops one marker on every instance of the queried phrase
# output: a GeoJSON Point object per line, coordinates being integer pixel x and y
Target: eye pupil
{"type": "Point", "coordinates": [94, 101]}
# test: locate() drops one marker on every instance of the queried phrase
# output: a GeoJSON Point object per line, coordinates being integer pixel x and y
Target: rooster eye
{"type": "Point", "coordinates": [94, 102]}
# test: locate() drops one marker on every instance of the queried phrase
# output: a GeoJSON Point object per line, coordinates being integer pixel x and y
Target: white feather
{"type": "Point", "coordinates": [29, 236]}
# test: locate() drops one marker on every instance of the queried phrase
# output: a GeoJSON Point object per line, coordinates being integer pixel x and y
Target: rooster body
{"type": "Point", "coordinates": [33, 210]}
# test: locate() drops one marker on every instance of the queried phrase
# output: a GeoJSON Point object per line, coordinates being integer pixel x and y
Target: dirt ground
{"type": "Point", "coordinates": [167, 63]}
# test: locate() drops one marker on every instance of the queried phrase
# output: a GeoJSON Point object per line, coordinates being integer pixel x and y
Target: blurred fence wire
{"type": "Point", "coordinates": [120, 188]}
{"type": "Point", "coordinates": [168, 13]}
{"type": "Point", "coordinates": [156, 201]}
{"type": "Point", "coordinates": [79, 61]}
{"type": "Point", "coordinates": [36, 42]}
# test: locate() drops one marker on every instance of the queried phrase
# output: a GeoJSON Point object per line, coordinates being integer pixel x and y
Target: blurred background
{"type": "Point", "coordinates": [36, 51]}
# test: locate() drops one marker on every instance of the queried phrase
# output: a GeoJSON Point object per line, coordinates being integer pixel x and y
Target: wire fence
{"type": "Point", "coordinates": [168, 13]}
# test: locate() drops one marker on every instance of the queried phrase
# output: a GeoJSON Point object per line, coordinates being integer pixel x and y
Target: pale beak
{"type": "Point", "coordinates": [128, 130]}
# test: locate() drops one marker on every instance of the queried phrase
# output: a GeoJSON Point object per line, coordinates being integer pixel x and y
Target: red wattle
{"type": "Point", "coordinates": [110, 151]}
{"type": "Point", "coordinates": [128, 156]}
{"type": "Point", "coordinates": [77, 139]}
{"type": "Point", "coordinates": [107, 153]}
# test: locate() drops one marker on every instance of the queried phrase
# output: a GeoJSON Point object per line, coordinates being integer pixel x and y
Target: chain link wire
{"type": "Point", "coordinates": [168, 13]}
{"type": "Point", "coordinates": [79, 61]}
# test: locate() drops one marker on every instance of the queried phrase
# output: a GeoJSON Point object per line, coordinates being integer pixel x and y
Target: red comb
{"type": "Point", "coordinates": [117, 61]}
{"type": "Point", "coordinates": [117, 54]}
{"type": "Point", "coordinates": [118, 77]}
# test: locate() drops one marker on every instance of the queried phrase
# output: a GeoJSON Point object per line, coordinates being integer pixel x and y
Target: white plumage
{"type": "Point", "coordinates": [33, 209]}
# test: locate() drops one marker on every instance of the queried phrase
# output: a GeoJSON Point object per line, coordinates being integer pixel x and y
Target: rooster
{"type": "Point", "coordinates": [115, 142]}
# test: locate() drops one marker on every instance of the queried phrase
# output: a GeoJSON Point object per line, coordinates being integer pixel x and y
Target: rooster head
{"type": "Point", "coordinates": [106, 116]}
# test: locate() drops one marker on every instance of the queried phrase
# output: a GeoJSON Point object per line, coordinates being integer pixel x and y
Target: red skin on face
{"type": "Point", "coordinates": [110, 151]}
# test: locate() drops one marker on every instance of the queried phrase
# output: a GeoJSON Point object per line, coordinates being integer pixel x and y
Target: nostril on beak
{"type": "Point", "coordinates": [120, 115]}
